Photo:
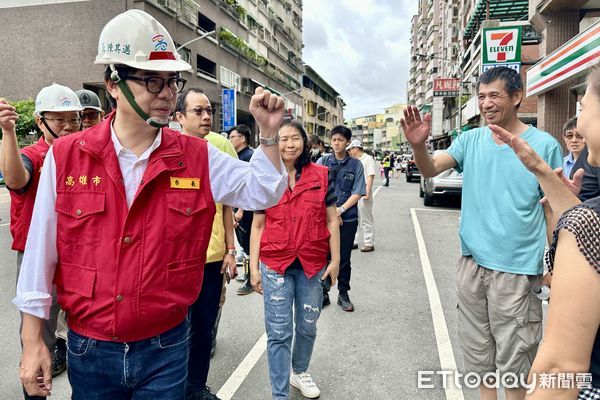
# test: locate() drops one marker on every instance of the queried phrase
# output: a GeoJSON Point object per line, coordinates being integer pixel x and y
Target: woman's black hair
{"type": "Point", "coordinates": [304, 158]}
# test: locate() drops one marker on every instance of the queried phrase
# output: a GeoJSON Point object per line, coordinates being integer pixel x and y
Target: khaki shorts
{"type": "Point", "coordinates": [499, 318]}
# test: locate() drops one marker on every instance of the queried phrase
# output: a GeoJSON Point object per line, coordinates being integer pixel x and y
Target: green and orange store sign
{"type": "Point", "coordinates": [572, 60]}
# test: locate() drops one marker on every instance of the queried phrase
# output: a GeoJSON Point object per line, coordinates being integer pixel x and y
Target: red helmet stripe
{"type": "Point", "coordinates": [161, 55]}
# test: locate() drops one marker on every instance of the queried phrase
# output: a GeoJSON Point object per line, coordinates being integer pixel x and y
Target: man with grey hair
{"type": "Point", "coordinates": [502, 231]}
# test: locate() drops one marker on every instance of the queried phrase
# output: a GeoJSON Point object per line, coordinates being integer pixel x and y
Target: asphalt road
{"type": "Point", "coordinates": [373, 353]}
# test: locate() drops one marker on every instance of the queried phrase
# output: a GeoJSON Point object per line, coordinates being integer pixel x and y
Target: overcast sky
{"type": "Point", "coordinates": [361, 48]}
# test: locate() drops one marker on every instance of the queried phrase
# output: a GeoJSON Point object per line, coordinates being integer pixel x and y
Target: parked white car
{"type": "Point", "coordinates": [448, 183]}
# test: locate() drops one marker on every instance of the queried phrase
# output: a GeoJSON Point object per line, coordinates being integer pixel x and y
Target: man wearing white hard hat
{"type": "Point", "coordinates": [365, 234]}
{"type": "Point", "coordinates": [57, 113]}
{"type": "Point", "coordinates": [132, 203]}
{"type": "Point", "coordinates": [92, 113]}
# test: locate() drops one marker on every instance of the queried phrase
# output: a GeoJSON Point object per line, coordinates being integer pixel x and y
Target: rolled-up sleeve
{"type": "Point", "coordinates": [256, 185]}
{"type": "Point", "coordinates": [34, 286]}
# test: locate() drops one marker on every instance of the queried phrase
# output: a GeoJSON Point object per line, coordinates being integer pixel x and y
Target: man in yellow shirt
{"type": "Point", "coordinates": [194, 113]}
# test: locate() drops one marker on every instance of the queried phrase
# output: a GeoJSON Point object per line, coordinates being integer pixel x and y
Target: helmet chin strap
{"type": "Point", "coordinates": [50, 131]}
{"type": "Point", "coordinates": [152, 121]}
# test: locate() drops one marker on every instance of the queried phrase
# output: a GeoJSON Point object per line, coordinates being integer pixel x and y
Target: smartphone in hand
{"type": "Point", "coordinates": [326, 283]}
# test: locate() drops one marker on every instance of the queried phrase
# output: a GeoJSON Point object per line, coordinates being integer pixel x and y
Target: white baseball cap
{"type": "Point", "coordinates": [355, 143]}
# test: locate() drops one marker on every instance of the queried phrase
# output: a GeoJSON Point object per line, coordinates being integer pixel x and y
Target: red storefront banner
{"type": "Point", "coordinates": [446, 87]}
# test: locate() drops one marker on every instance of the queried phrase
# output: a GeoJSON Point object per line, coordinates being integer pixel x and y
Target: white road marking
{"type": "Point", "coordinates": [243, 370]}
{"type": "Point", "coordinates": [444, 210]}
{"type": "Point", "coordinates": [442, 337]}
{"type": "Point", "coordinates": [377, 191]}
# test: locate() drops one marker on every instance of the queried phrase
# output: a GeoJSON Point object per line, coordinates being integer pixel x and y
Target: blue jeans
{"type": "Point", "coordinates": [202, 316]}
{"type": "Point", "coordinates": [149, 369]}
{"type": "Point", "coordinates": [281, 294]}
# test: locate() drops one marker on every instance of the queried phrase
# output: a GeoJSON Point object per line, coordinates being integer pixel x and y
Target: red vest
{"type": "Point", "coordinates": [128, 275]}
{"type": "Point", "coordinates": [21, 205]}
{"type": "Point", "coordinates": [297, 225]}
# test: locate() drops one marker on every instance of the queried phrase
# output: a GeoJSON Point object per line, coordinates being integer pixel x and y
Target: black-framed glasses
{"type": "Point", "coordinates": [155, 84]}
{"type": "Point", "coordinates": [199, 111]}
{"type": "Point", "coordinates": [90, 115]}
{"type": "Point", "coordinates": [570, 136]}
{"type": "Point", "coordinates": [74, 122]}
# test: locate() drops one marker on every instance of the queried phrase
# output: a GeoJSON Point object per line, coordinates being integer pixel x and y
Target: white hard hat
{"type": "Point", "coordinates": [137, 39]}
{"type": "Point", "coordinates": [56, 98]}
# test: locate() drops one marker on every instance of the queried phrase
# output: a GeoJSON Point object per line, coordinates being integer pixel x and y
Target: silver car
{"type": "Point", "coordinates": [448, 183]}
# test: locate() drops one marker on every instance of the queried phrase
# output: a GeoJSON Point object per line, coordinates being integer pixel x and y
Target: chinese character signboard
{"type": "Point", "coordinates": [445, 87]}
{"type": "Point", "coordinates": [502, 47]}
{"type": "Point", "coordinates": [229, 109]}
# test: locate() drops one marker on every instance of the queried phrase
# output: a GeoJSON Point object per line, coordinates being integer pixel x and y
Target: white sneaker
{"type": "Point", "coordinates": [305, 384]}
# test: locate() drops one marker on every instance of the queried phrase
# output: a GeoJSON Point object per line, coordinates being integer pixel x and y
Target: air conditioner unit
{"type": "Point", "coordinates": [170, 4]}
{"type": "Point", "coordinates": [191, 16]}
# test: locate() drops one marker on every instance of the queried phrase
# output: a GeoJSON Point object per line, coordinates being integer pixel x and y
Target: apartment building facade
{"type": "Point", "coordinates": [248, 43]}
{"type": "Point", "coordinates": [323, 106]}
{"type": "Point", "coordinates": [392, 132]}
{"type": "Point", "coordinates": [369, 130]}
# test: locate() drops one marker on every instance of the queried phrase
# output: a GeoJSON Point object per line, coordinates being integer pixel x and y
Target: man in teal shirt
{"type": "Point", "coordinates": [502, 231]}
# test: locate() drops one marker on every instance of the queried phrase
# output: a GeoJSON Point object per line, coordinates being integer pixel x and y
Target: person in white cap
{"type": "Point", "coordinates": [57, 113]}
{"type": "Point", "coordinates": [92, 113]}
{"type": "Point", "coordinates": [366, 223]}
{"type": "Point", "coordinates": [122, 225]}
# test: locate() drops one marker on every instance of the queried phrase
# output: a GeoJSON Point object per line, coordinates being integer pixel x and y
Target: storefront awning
{"type": "Point", "coordinates": [503, 10]}
{"type": "Point", "coordinates": [571, 60]}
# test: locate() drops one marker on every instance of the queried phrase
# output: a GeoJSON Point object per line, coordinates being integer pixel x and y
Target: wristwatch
{"type": "Point", "coordinates": [341, 209]}
{"type": "Point", "coordinates": [231, 252]}
{"type": "Point", "coordinates": [269, 141]}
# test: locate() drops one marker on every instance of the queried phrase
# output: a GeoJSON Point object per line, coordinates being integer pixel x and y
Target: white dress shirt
{"type": "Point", "coordinates": [252, 186]}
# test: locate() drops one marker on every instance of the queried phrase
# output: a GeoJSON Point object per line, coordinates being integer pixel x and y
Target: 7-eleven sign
{"type": "Point", "coordinates": [501, 45]}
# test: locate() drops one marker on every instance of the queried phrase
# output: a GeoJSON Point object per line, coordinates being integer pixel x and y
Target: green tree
{"type": "Point", "coordinates": [26, 122]}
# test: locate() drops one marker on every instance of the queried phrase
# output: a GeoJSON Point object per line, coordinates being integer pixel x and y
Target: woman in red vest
{"type": "Point", "coordinates": [293, 240]}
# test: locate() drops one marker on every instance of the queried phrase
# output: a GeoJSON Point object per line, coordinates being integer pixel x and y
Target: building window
{"type": "Point", "coordinates": [205, 67]}
{"type": "Point", "coordinates": [230, 79]}
{"type": "Point", "coordinates": [205, 24]}
{"type": "Point", "coordinates": [170, 4]}
{"type": "Point", "coordinates": [311, 108]}
{"type": "Point", "coordinates": [321, 113]}
{"type": "Point", "coordinates": [185, 54]}
{"type": "Point", "coordinates": [310, 128]}
{"type": "Point", "coordinates": [253, 24]}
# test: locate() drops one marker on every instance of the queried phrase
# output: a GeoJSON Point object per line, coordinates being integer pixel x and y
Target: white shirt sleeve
{"type": "Point", "coordinates": [371, 167]}
{"type": "Point", "coordinates": [256, 185]}
{"type": "Point", "coordinates": [34, 287]}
